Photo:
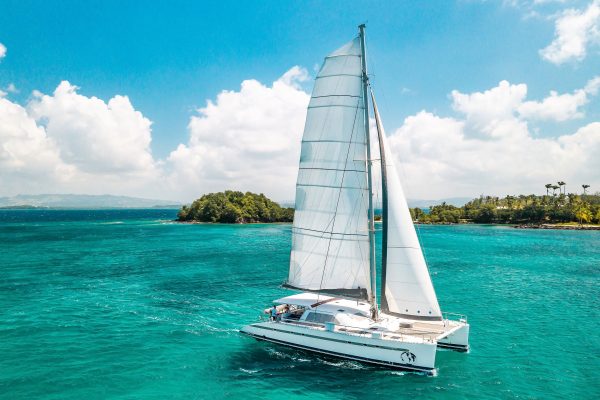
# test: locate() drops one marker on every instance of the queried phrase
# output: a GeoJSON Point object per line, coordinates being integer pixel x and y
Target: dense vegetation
{"type": "Point", "coordinates": [531, 209]}
{"type": "Point", "coordinates": [235, 207]}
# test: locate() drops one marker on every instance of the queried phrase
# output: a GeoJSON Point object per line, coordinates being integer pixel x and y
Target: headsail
{"type": "Point", "coordinates": [407, 289]}
{"type": "Point", "coordinates": [330, 238]}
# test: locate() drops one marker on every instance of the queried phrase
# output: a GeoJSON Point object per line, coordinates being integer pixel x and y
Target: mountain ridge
{"type": "Point", "coordinates": [82, 201]}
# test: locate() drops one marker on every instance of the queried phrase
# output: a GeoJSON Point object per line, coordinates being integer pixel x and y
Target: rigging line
{"type": "Point", "coordinates": [330, 233]}
{"type": "Point", "coordinates": [342, 55]}
{"type": "Point", "coordinates": [338, 75]}
{"type": "Point", "coordinates": [327, 186]}
{"type": "Point", "coordinates": [332, 105]}
{"type": "Point", "coordinates": [333, 95]}
{"type": "Point", "coordinates": [331, 169]}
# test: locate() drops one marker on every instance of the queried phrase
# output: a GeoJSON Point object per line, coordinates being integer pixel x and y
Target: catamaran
{"type": "Point", "coordinates": [333, 261]}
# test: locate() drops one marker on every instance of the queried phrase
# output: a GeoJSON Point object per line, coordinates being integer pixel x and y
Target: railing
{"type": "Point", "coordinates": [454, 316]}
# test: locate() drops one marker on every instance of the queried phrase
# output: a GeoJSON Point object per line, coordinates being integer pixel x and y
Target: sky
{"type": "Point", "coordinates": [173, 100]}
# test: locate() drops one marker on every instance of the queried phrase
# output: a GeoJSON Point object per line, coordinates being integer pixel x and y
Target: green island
{"type": "Point", "coordinates": [234, 207]}
{"type": "Point", "coordinates": [556, 210]}
{"type": "Point", "coordinates": [547, 211]}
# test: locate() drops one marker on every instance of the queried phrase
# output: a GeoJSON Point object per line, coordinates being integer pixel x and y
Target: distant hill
{"type": "Point", "coordinates": [82, 201]}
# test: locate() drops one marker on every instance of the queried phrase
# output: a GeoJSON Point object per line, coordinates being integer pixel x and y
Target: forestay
{"type": "Point", "coordinates": [330, 238]}
{"type": "Point", "coordinates": [407, 289]}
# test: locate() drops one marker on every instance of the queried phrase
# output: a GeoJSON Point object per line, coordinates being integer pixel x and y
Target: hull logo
{"type": "Point", "coordinates": [408, 357]}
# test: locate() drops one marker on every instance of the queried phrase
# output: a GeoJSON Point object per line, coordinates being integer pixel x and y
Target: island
{"type": "Point", "coordinates": [234, 207]}
{"type": "Point", "coordinates": [564, 211]}
{"type": "Point", "coordinates": [550, 211]}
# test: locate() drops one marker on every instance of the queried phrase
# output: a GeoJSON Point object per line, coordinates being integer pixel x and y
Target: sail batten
{"type": "Point", "coordinates": [330, 241]}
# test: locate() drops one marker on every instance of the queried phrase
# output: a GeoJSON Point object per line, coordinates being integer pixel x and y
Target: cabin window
{"type": "Point", "coordinates": [319, 318]}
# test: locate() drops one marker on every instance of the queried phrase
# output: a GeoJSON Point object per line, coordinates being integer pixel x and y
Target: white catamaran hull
{"type": "Point", "coordinates": [396, 354]}
{"type": "Point", "coordinates": [457, 340]}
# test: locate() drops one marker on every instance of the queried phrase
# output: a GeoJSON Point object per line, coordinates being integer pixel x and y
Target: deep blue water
{"type": "Point", "coordinates": [122, 304]}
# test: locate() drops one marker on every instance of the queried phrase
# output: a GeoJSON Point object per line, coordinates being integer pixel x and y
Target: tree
{"type": "Point", "coordinates": [561, 184]}
{"type": "Point", "coordinates": [416, 213]}
{"type": "Point", "coordinates": [585, 188]}
{"type": "Point", "coordinates": [583, 212]}
{"type": "Point", "coordinates": [548, 187]}
{"type": "Point", "coordinates": [235, 207]}
{"type": "Point", "coordinates": [554, 187]}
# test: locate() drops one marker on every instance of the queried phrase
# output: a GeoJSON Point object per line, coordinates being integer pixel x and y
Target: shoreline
{"type": "Point", "coordinates": [515, 226]}
{"type": "Point", "coordinates": [559, 226]}
{"type": "Point", "coordinates": [175, 221]}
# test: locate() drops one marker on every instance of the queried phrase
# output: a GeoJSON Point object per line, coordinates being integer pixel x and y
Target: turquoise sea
{"type": "Point", "coordinates": [120, 304]}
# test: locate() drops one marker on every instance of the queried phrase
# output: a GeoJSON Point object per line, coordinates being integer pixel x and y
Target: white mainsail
{"type": "Point", "coordinates": [330, 237]}
{"type": "Point", "coordinates": [407, 289]}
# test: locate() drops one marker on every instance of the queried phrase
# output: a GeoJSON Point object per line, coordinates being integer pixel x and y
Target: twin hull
{"type": "Point", "coordinates": [391, 353]}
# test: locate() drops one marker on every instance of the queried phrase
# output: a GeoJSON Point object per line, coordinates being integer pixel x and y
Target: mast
{"type": "Point", "coordinates": [373, 267]}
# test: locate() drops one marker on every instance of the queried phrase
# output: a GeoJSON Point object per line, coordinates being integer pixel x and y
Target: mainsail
{"type": "Point", "coordinates": [330, 236]}
{"type": "Point", "coordinates": [407, 290]}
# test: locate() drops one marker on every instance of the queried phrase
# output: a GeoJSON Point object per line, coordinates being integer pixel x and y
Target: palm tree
{"type": "Point", "coordinates": [548, 186]}
{"type": "Point", "coordinates": [554, 187]}
{"type": "Point", "coordinates": [585, 188]}
{"type": "Point", "coordinates": [561, 183]}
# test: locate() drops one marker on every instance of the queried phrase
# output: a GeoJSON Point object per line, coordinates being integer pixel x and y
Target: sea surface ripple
{"type": "Point", "coordinates": [122, 304]}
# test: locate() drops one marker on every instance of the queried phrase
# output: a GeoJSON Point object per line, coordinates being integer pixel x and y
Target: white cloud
{"type": "Point", "coordinates": [11, 88]}
{"type": "Point", "coordinates": [493, 112]}
{"type": "Point", "coordinates": [490, 113]}
{"type": "Point", "coordinates": [593, 86]}
{"type": "Point", "coordinates": [67, 142]}
{"type": "Point", "coordinates": [575, 30]}
{"type": "Point", "coordinates": [95, 136]}
{"type": "Point", "coordinates": [2, 51]}
{"type": "Point", "coordinates": [246, 140]}
{"type": "Point", "coordinates": [555, 107]}
{"type": "Point", "coordinates": [489, 149]}
{"type": "Point", "coordinates": [249, 139]}
{"type": "Point", "coordinates": [27, 156]}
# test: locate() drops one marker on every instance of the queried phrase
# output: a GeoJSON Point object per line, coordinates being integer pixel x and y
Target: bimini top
{"type": "Point", "coordinates": [326, 303]}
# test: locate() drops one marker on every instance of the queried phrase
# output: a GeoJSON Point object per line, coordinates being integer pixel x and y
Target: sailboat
{"type": "Point", "coordinates": [332, 261]}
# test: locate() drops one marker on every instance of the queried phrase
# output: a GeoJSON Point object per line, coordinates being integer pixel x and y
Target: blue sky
{"type": "Point", "coordinates": [169, 58]}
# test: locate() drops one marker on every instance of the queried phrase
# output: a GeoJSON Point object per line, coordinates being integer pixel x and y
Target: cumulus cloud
{"type": "Point", "coordinates": [489, 113]}
{"type": "Point", "coordinates": [555, 107]}
{"type": "Point", "coordinates": [72, 143]}
{"type": "Point", "coordinates": [95, 136]}
{"type": "Point", "coordinates": [593, 86]}
{"type": "Point", "coordinates": [492, 112]}
{"type": "Point", "coordinates": [2, 51]}
{"type": "Point", "coordinates": [247, 140]}
{"type": "Point", "coordinates": [575, 30]}
{"type": "Point", "coordinates": [489, 148]}
{"type": "Point", "coordinates": [27, 156]}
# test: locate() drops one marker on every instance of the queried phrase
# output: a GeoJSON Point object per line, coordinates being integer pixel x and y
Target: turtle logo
{"type": "Point", "coordinates": [408, 357]}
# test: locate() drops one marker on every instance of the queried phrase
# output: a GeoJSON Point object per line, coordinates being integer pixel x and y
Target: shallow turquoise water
{"type": "Point", "coordinates": [120, 304]}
